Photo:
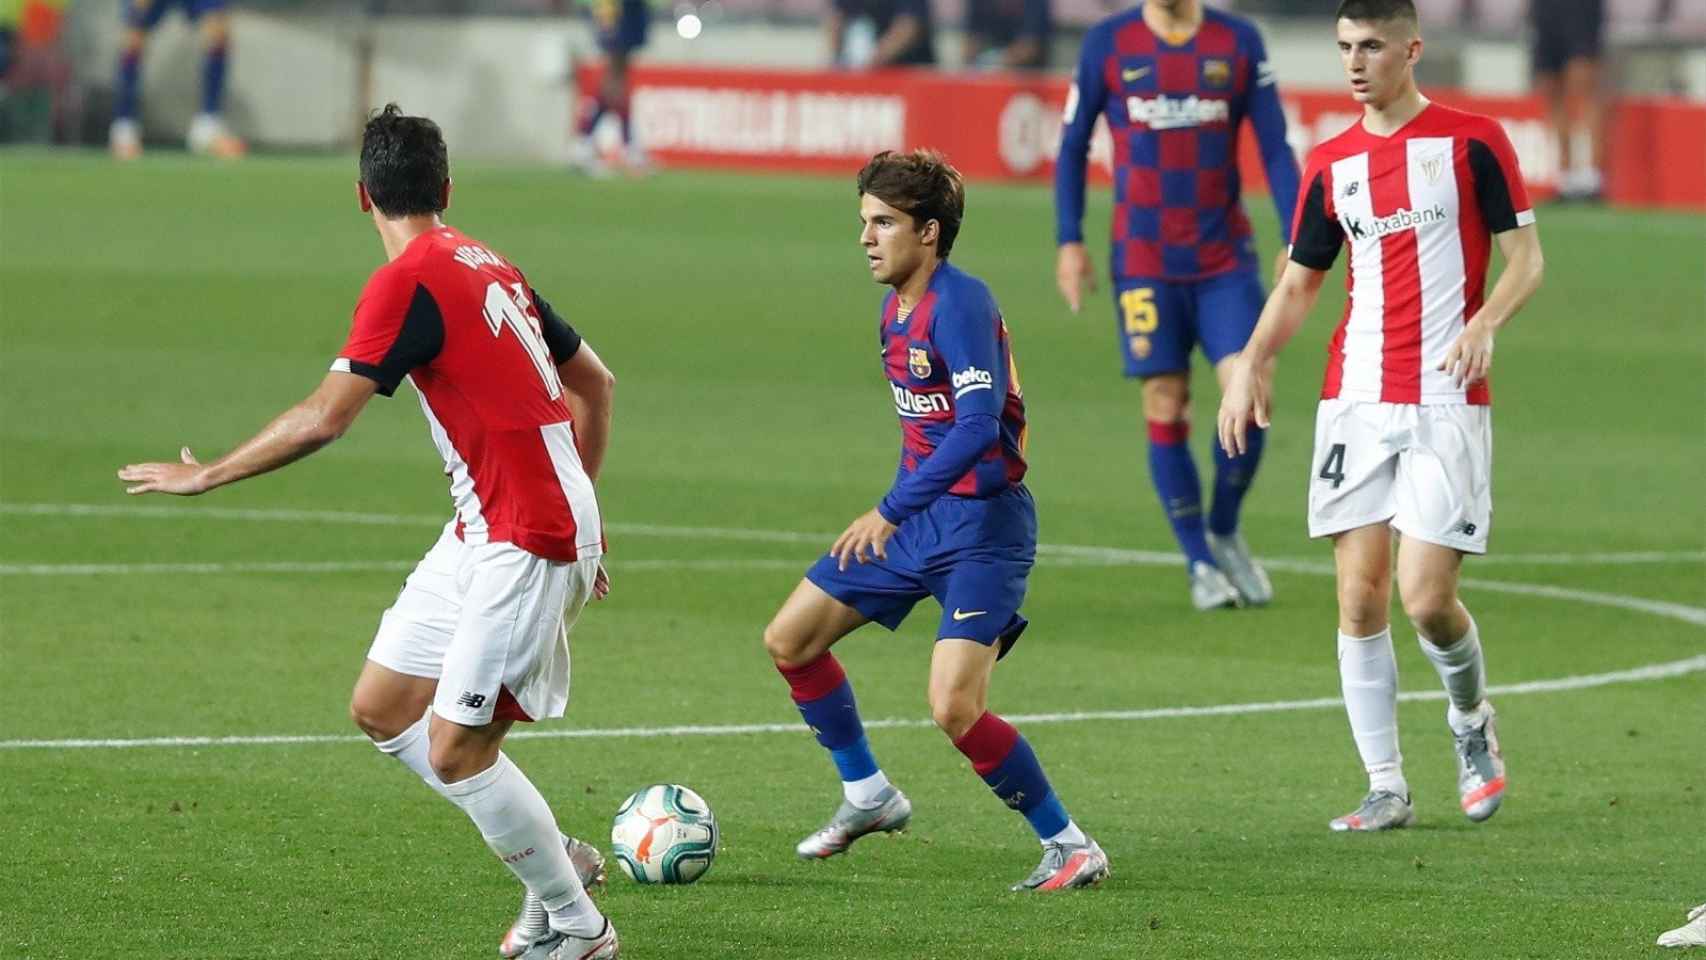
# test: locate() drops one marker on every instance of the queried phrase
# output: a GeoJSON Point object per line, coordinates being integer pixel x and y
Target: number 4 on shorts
{"type": "Point", "coordinates": [1334, 467]}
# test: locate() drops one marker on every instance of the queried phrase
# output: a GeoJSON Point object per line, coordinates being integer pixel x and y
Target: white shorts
{"type": "Point", "coordinates": [491, 624]}
{"type": "Point", "coordinates": [1428, 469]}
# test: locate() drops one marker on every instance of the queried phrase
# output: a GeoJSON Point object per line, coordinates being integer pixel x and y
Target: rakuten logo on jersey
{"type": "Point", "coordinates": [1171, 113]}
{"type": "Point", "coordinates": [1400, 219]}
{"type": "Point", "coordinates": [909, 404]}
{"type": "Point", "coordinates": [971, 378]}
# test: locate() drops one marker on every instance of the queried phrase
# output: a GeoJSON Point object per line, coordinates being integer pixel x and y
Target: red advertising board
{"type": "Point", "coordinates": [1008, 127]}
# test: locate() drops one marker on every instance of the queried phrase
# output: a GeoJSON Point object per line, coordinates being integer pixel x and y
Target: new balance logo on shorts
{"type": "Point", "coordinates": [1468, 529]}
{"type": "Point", "coordinates": [471, 700]}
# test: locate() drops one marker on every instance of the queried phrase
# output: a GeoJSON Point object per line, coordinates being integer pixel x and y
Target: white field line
{"type": "Point", "coordinates": [1657, 671]}
{"type": "Point", "coordinates": [1067, 553]}
{"type": "Point", "coordinates": [348, 566]}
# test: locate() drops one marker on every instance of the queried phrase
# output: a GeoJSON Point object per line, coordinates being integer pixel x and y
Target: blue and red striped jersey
{"type": "Point", "coordinates": [956, 389]}
{"type": "Point", "coordinates": [1174, 112]}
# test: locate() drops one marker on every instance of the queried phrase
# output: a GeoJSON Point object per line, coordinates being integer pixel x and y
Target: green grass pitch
{"type": "Point", "coordinates": [172, 302]}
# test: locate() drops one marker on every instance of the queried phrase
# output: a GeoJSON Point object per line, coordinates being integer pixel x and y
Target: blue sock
{"type": "Point", "coordinates": [129, 80]}
{"type": "Point", "coordinates": [825, 700]}
{"type": "Point", "coordinates": [1232, 476]}
{"type": "Point", "coordinates": [213, 80]}
{"type": "Point", "coordinates": [1174, 474]}
{"type": "Point", "coordinates": [1005, 761]}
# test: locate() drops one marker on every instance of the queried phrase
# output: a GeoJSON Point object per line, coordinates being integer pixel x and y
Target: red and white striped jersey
{"type": "Point", "coordinates": [481, 348]}
{"type": "Point", "coordinates": [1418, 210]}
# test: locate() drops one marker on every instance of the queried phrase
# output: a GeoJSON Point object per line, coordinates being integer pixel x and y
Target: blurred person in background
{"type": "Point", "coordinates": [207, 131]}
{"type": "Point", "coordinates": [1569, 40]}
{"type": "Point", "coordinates": [1176, 80]}
{"type": "Point", "coordinates": [1008, 34]}
{"type": "Point", "coordinates": [36, 94]}
{"type": "Point", "coordinates": [903, 28]}
{"type": "Point", "coordinates": [621, 26]}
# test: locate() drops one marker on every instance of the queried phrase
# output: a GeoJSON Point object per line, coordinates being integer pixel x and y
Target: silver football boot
{"type": "Point", "coordinates": [1210, 590]}
{"type": "Point", "coordinates": [1480, 769]}
{"type": "Point", "coordinates": [850, 823]}
{"type": "Point", "coordinates": [557, 945]}
{"type": "Point", "coordinates": [1065, 866]}
{"type": "Point", "coordinates": [530, 924]}
{"type": "Point", "coordinates": [1232, 556]}
{"type": "Point", "coordinates": [1380, 810]}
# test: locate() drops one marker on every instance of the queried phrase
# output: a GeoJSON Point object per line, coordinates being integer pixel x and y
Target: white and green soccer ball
{"type": "Point", "coordinates": [664, 833]}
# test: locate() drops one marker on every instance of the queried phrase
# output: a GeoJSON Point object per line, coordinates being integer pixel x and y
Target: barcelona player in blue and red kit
{"type": "Point", "coordinates": [1176, 81]}
{"type": "Point", "coordinates": [957, 524]}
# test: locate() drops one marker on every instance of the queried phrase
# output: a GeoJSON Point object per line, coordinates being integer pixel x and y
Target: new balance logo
{"type": "Point", "coordinates": [1468, 529]}
{"type": "Point", "coordinates": [471, 700]}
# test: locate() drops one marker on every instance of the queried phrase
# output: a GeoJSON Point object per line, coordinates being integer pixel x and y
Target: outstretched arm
{"type": "Point", "coordinates": [306, 427]}
{"type": "Point", "coordinates": [1248, 394]}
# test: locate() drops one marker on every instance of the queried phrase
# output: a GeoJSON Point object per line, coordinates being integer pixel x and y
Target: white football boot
{"type": "Point", "coordinates": [1690, 934]}
{"type": "Point", "coordinates": [1380, 810]}
{"type": "Point", "coordinates": [1480, 768]}
{"type": "Point", "coordinates": [1210, 590]}
{"type": "Point", "coordinates": [892, 813]}
{"type": "Point", "coordinates": [1232, 555]}
{"type": "Point", "coordinates": [557, 945]}
{"type": "Point", "coordinates": [530, 924]}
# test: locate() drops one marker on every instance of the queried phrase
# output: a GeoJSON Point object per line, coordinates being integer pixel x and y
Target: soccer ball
{"type": "Point", "coordinates": [664, 833]}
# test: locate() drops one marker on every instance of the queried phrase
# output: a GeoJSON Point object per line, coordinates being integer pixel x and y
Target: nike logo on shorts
{"type": "Point", "coordinates": [967, 615]}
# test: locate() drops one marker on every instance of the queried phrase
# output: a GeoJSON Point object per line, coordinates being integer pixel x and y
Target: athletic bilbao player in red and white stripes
{"type": "Point", "coordinates": [519, 408]}
{"type": "Point", "coordinates": [1403, 434]}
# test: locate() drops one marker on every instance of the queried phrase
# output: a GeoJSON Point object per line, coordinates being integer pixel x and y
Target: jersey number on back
{"type": "Point", "coordinates": [501, 311]}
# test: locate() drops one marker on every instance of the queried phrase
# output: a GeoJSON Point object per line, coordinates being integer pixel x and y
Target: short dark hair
{"type": "Point", "coordinates": [923, 185]}
{"type": "Point", "coordinates": [404, 163]}
{"type": "Point", "coordinates": [1378, 11]}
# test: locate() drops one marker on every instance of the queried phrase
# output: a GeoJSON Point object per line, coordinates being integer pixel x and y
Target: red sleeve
{"type": "Point", "coordinates": [1316, 235]}
{"type": "Point", "coordinates": [1499, 188]}
{"type": "Point", "coordinates": [397, 328]}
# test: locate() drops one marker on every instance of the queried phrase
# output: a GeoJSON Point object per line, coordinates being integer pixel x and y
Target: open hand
{"type": "Point", "coordinates": [186, 479]}
{"type": "Point", "coordinates": [871, 531]}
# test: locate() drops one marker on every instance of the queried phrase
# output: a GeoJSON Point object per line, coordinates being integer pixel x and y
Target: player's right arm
{"type": "Point", "coordinates": [590, 384]}
{"type": "Point", "coordinates": [1084, 103]}
{"type": "Point", "coordinates": [903, 32]}
{"type": "Point", "coordinates": [1316, 240]}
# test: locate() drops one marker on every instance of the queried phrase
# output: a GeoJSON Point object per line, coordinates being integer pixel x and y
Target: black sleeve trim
{"type": "Point", "coordinates": [1318, 238]}
{"type": "Point", "coordinates": [417, 343]}
{"type": "Point", "coordinates": [1492, 191]}
{"type": "Point", "coordinates": [562, 339]}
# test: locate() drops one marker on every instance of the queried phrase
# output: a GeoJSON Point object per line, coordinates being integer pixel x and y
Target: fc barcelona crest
{"type": "Point", "coordinates": [1217, 73]}
{"type": "Point", "coordinates": [918, 361]}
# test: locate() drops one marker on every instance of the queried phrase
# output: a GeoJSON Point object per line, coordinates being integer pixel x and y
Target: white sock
{"type": "Point", "coordinates": [410, 747]}
{"type": "Point", "coordinates": [1368, 675]}
{"type": "Point", "coordinates": [519, 828]}
{"type": "Point", "coordinates": [863, 793]}
{"type": "Point", "coordinates": [1071, 835]}
{"type": "Point", "coordinates": [1463, 670]}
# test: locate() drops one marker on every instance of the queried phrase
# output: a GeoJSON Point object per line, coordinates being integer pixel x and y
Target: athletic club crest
{"type": "Point", "coordinates": [918, 361]}
{"type": "Point", "coordinates": [1433, 167]}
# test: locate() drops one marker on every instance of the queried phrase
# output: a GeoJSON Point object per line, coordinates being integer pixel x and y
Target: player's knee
{"type": "Point", "coordinates": [373, 719]}
{"type": "Point", "coordinates": [1362, 605]}
{"type": "Point", "coordinates": [954, 712]}
{"type": "Point", "coordinates": [786, 647]}
{"type": "Point", "coordinates": [452, 759]}
{"type": "Point", "coordinates": [1166, 398]}
{"type": "Point", "coordinates": [1434, 615]}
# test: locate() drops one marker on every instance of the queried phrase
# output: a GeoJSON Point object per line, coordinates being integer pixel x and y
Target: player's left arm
{"type": "Point", "coordinates": [967, 340]}
{"type": "Point", "coordinates": [1267, 118]}
{"type": "Point", "coordinates": [590, 384]}
{"type": "Point", "coordinates": [1506, 212]}
{"type": "Point", "coordinates": [1470, 358]}
{"type": "Point", "coordinates": [306, 427]}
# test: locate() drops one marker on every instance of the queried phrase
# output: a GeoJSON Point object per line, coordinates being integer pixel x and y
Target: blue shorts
{"type": "Point", "coordinates": [146, 14]}
{"type": "Point", "coordinates": [622, 25]}
{"type": "Point", "coordinates": [1160, 322]}
{"type": "Point", "coordinates": [973, 556]}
